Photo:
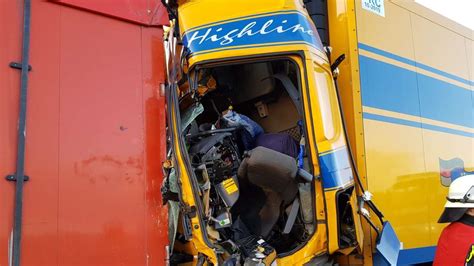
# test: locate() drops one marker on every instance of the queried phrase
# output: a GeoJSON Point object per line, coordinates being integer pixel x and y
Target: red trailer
{"type": "Point", "coordinates": [95, 133]}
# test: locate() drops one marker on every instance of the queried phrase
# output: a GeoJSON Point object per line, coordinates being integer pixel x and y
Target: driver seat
{"type": "Point", "coordinates": [275, 174]}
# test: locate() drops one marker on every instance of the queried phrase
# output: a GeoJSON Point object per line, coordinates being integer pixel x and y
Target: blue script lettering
{"type": "Point", "coordinates": [230, 36]}
{"type": "Point", "coordinates": [260, 30]}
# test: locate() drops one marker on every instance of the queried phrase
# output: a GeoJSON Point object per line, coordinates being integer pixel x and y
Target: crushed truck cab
{"type": "Point", "coordinates": [259, 169]}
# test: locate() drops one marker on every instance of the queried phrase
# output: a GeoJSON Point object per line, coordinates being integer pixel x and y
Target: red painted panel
{"type": "Point", "coordinates": [102, 186]}
{"type": "Point", "coordinates": [155, 125]}
{"type": "Point", "coordinates": [146, 12]}
{"type": "Point", "coordinates": [95, 138]}
{"type": "Point", "coordinates": [40, 210]}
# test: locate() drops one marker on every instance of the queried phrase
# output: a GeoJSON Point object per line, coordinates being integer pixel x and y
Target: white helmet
{"type": "Point", "coordinates": [460, 198]}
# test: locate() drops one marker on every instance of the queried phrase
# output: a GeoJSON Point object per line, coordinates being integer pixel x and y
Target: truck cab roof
{"type": "Point", "coordinates": [246, 28]}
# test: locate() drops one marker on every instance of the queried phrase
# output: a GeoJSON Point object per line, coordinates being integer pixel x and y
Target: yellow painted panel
{"type": "Point", "coordinates": [391, 33]}
{"type": "Point", "coordinates": [343, 40]}
{"type": "Point", "coordinates": [439, 47]}
{"type": "Point", "coordinates": [397, 178]}
{"type": "Point", "coordinates": [438, 145]}
{"type": "Point", "coordinates": [413, 6]}
{"type": "Point", "coordinates": [403, 162]}
{"type": "Point", "coordinates": [191, 14]}
{"type": "Point", "coordinates": [333, 241]}
{"type": "Point", "coordinates": [404, 175]}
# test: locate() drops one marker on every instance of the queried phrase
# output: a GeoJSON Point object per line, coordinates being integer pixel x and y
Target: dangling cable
{"type": "Point", "coordinates": [349, 147]}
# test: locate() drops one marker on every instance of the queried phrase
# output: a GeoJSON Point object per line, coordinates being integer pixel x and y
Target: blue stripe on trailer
{"type": "Point", "coordinates": [388, 87]}
{"type": "Point", "coordinates": [414, 63]}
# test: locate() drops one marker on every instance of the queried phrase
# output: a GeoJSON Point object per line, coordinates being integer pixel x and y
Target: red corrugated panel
{"type": "Point", "coordinates": [95, 138]}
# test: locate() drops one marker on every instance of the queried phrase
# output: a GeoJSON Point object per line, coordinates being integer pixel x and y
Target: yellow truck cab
{"type": "Point", "coordinates": [259, 170]}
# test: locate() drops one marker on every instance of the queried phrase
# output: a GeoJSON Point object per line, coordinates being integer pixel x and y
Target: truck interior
{"type": "Point", "coordinates": [243, 128]}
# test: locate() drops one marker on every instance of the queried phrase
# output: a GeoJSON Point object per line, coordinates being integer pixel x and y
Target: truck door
{"type": "Point", "coordinates": [343, 221]}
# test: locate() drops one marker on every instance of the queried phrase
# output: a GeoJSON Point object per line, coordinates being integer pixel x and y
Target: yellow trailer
{"type": "Point", "coordinates": [407, 93]}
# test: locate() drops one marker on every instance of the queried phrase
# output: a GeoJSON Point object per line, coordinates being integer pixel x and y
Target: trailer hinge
{"type": "Point", "coordinates": [19, 66]}
{"type": "Point", "coordinates": [13, 178]}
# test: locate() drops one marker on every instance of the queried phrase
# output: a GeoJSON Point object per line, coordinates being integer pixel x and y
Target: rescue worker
{"type": "Point", "coordinates": [456, 243]}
